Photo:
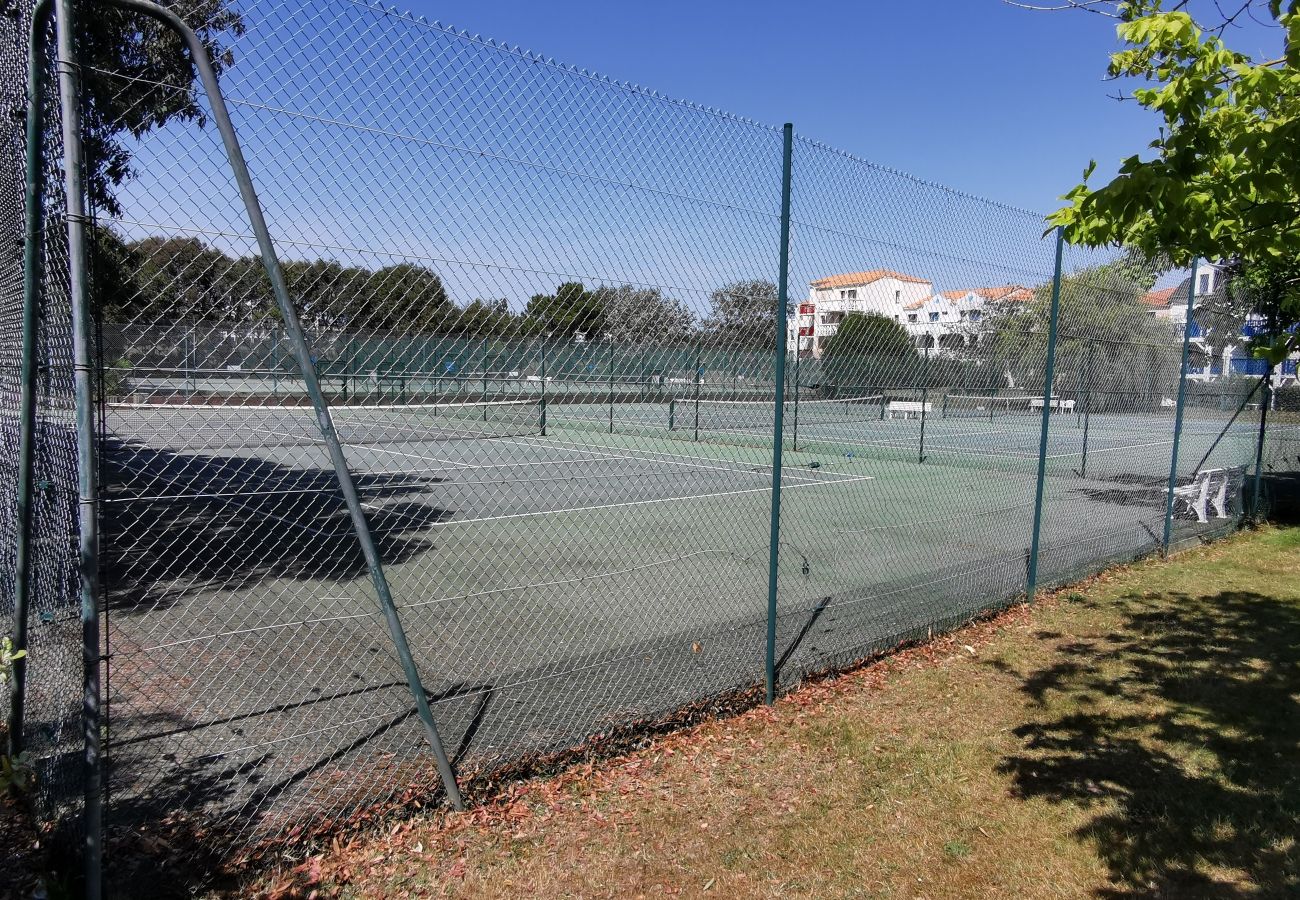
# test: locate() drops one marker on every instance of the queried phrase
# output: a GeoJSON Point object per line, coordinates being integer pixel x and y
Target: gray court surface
{"type": "Point", "coordinates": [554, 586]}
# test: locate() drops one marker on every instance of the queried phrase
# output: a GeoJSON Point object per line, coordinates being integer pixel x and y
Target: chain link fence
{"type": "Point", "coordinates": [49, 679]}
{"type": "Point", "coordinates": [541, 307]}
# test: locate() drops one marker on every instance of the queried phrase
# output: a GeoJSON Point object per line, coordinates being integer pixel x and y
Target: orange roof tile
{"type": "Point", "coordinates": [1014, 292]}
{"type": "Point", "coordinates": [858, 279]}
{"type": "Point", "coordinates": [1158, 299]}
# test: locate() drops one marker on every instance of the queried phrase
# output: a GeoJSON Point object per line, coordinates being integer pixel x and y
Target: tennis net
{"type": "Point", "coordinates": [956, 406]}
{"type": "Point", "coordinates": [234, 426]}
{"type": "Point", "coordinates": [747, 415]}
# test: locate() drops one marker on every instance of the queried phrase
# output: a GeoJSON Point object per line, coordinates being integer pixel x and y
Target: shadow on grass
{"type": "Point", "coordinates": [1180, 733]}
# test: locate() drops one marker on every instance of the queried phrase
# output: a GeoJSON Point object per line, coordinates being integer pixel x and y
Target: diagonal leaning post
{"type": "Point", "coordinates": [70, 102]}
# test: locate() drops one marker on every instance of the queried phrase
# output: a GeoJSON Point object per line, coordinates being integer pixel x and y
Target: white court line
{"type": "Point", "coordinates": [1092, 450]}
{"type": "Point", "coordinates": [588, 448]}
{"type": "Point", "coordinates": [631, 503]}
{"type": "Point", "coordinates": [555, 441]}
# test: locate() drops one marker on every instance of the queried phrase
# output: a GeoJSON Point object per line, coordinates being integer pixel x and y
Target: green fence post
{"type": "Point", "coordinates": [611, 387]}
{"type": "Point", "coordinates": [483, 356]}
{"type": "Point", "coordinates": [774, 541]}
{"type": "Point", "coordinates": [925, 399]}
{"type": "Point", "coordinates": [699, 377]}
{"type": "Point", "coordinates": [33, 228]}
{"type": "Point", "coordinates": [69, 69]}
{"type": "Point", "coordinates": [1178, 413]}
{"type": "Point", "coordinates": [1087, 410]}
{"type": "Point", "coordinates": [1259, 446]}
{"type": "Point", "coordinates": [1048, 375]}
{"type": "Point", "coordinates": [795, 443]}
{"type": "Point", "coordinates": [542, 375]}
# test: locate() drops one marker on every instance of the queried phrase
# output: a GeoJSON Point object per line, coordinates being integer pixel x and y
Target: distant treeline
{"type": "Point", "coordinates": [161, 280]}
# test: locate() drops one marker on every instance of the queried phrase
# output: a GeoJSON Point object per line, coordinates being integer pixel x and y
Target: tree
{"type": "Point", "coordinates": [571, 310]}
{"type": "Point", "coordinates": [404, 297]}
{"type": "Point", "coordinates": [1108, 342]}
{"type": "Point", "coordinates": [179, 279]}
{"type": "Point", "coordinates": [868, 349]}
{"type": "Point", "coordinates": [490, 318]}
{"type": "Point", "coordinates": [643, 316]}
{"type": "Point", "coordinates": [1221, 183]}
{"type": "Point", "coordinates": [742, 315]}
{"type": "Point", "coordinates": [1221, 316]}
{"type": "Point", "coordinates": [113, 289]}
{"type": "Point", "coordinates": [138, 77]}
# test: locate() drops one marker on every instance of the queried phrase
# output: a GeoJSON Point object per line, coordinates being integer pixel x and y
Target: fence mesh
{"type": "Point", "coordinates": [541, 305]}
{"type": "Point", "coordinates": [52, 728]}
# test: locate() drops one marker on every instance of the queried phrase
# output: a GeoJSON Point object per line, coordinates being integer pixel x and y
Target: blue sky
{"type": "Point", "coordinates": [376, 139]}
{"type": "Point", "coordinates": [976, 94]}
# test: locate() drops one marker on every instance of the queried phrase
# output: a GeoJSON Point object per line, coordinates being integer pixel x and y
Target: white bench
{"type": "Point", "coordinates": [909, 408]}
{"type": "Point", "coordinates": [1058, 405]}
{"type": "Point", "coordinates": [1207, 493]}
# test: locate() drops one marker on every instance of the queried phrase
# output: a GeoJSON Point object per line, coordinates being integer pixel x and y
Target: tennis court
{"type": "Point", "coordinates": [578, 571]}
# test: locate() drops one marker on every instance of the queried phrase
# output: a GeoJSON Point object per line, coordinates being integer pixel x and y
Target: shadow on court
{"type": "Point", "coordinates": [176, 525]}
{"type": "Point", "coordinates": [1178, 732]}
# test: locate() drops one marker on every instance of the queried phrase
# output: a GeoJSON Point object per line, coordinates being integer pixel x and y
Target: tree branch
{"type": "Point", "coordinates": [1084, 5]}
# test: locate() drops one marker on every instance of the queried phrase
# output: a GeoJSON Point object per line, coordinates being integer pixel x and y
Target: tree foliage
{"type": "Point", "coordinates": [1105, 336]}
{"type": "Point", "coordinates": [139, 76]}
{"type": "Point", "coordinates": [866, 346]}
{"type": "Point", "coordinates": [1221, 183]}
{"type": "Point", "coordinates": [742, 314]}
{"type": "Point", "coordinates": [181, 279]}
{"type": "Point", "coordinates": [643, 316]}
{"type": "Point", "coordinates": [569, 311]}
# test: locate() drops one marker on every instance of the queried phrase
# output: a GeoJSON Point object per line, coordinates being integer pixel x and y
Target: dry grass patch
{"type": "Point", "coordinates": [1132, 737]}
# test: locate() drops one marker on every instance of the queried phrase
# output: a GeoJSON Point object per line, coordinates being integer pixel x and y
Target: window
{"type": "Point", "coordinates": [934, 317]}
{"type": "Point", "coordinates": [898, 295]}
{"type": "Point", "coordinates": [1205, 284]}
{"type": "Point", "coordinates": [975, 315]}
{"type": "Point", "coordinates": [961, 314]}
{"type": "Point", "coordinates": [911, 317]}
{"type": "Point", "coordinates": [853, 294]}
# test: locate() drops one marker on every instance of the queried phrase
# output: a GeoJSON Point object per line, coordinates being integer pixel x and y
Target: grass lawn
{"type": "Point", "coordinates": [1135, 736]}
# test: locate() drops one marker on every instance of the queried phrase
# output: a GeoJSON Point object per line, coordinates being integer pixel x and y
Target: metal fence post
{"type": "Point", "coordinates": [87, 467]}
{"type": "Point", "coordinates": [699, 376]}
{"type": "Point", "coordinates": [302, 354]}
{"type": "Point", "coordinates": [925, 401]}
{"type": "Point", "coordinates": [483, 355]}
{"type": "Point", "coordinates": [611, 387]}
{"type": "Point", "coordinates": [778, 318]}
{"type": "Point", "coordinates": [1178, 413]}
{"type": "Point", "coordinates": [542, 374]}
{"type": "Point", "coordinates": [32, 295]}
{"type": "Point", "coordinates": [1267, 401]}
{"type": "Point", "coordinates": [275, 361]}
{"type": "Point", "coordinates": [795, 443]}
{"type": "Point", "coordinates": [1087, 411]}
{"type": "Point", "coordinates": [1048, 375]}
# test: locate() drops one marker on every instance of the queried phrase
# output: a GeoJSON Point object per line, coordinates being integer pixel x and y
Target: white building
{"type": "Point", "coordinates": [954, 319]}
{"type": "Point", "coordinates": [832, 298]}
{"type": "Point", "coordinates": [1171, 303]}
{"type": "Point", "coordinates": [945, 321]}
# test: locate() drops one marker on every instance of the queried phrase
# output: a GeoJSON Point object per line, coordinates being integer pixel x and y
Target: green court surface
{"type": "Point", "coordinates": [582, 573]}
